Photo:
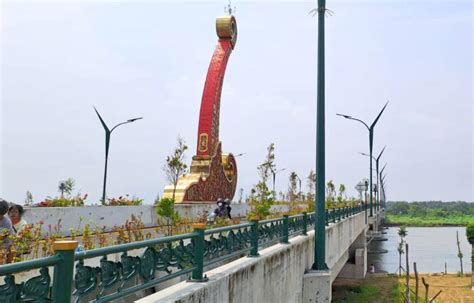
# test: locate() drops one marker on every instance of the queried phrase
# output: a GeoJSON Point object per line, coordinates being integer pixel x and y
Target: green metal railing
{"type": "Point", "coordinates": [144, 264]}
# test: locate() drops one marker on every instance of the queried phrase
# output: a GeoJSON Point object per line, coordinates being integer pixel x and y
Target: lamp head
{"type": "Point", "coordinates": [345, 116]}
{"type": "Point", "coordinates": [134, 119]}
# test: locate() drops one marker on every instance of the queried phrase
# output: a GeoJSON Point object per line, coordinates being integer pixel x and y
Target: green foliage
{"type": "Point", "coordinates": [168, 216]}
{"type": "Point", "coordinates": [470, 232]}
{"type": "Point", "coordinates": [66, 187]}
{"type": "Point", "coordinates": [292, 188]}
{"type": "Point", "coordinates": [362, 294]}
{"type": "Point", "coordinates": [428, 221]}
{"type": "Point", "coordinates": [432, 213]}
{"type": "Point", "coordinates": [268, 166]}
{"type": "Point", "coordinates": [165, 208]}
{"type": "Point", "coordinates": [75, 201]}
{"type": "Point", "coordinates": [123, 201]}
{"type": "Point", "coordinates": [260, 202]}
{"type": "Point", "coordinates": [261, 198]}
{"type": "Point", "coordinates": [402, 232]}
{"type": "Point", "coordinates": [311, 183]}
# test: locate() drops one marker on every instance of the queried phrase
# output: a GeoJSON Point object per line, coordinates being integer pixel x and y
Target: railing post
{"type": "Point", "coordinates": [305, 223]}
{"type": "Point", "coordinates": [254, 239]}
{"type": "Point", "coordinates": [284, 239]}
{"type": "Point", "coordinates": [333, 215]}
{"type": "Point", "coordinates": [63, 271]}
{"type": "Point", "coordinates": [197, 274]}
{"type": "Point", "coordinates": [327, 217]}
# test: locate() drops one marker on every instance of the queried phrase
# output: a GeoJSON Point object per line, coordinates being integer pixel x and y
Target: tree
{"type": "Point", "coordinates": [402, 232]}
{"type": "Point", "coordinates": [66, 187]}
{"type": "Point", "coordinates": [268, 166]}
{"type": "Point", "coordinates": [175, 165]}
{"type": "Point", "coordinates": [330, 194]}
{"type": "Point", "coordinates": [470, 238]}
{"type": "Point", "coordinates": [341, 197]}
{"type": "Point", "coordinates": [28, 199]}
{"type": "Point", "coordinates": [165, 209]}
{"type": "Point", "coordinates": [261, 198]}
{"type": "Point", "coordinates": [292, 188]}
{"type": "Point", "coordinates": [311, 186]}
{"type": "Point", "coordinates": [460, 254]}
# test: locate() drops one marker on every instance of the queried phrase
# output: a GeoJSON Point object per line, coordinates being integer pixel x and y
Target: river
{"type": "Point", "coordinates": [429, 247]}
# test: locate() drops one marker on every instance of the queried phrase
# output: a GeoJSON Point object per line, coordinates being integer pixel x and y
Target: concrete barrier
{"type": "Point", "coordinates": [64, 218]}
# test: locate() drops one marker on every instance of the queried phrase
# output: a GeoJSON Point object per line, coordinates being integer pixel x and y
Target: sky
{"type": "Point", "coordinates": [150, 59]}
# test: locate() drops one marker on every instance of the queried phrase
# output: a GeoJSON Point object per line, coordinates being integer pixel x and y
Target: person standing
{"type": "Point", "coordinates": [15, 212]}
{"type": "Point", "coordinates": [6, 230]}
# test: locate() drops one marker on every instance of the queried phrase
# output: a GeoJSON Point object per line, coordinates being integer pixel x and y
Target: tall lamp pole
{"type": "Point", "coordinates": [377, 194]}
{"type": "Point", "coordinates": [371, 143]}
{"type": "Point", "coordinates": [381, 183]}
{"type": "Point", "coordinates": [108, 132]}
{"type": "Point", "coordinates": [299, 193]}
{"type": "Point", "coordinates": [274, 173]}
{"type": "Point", "coordinates": [320, 238]}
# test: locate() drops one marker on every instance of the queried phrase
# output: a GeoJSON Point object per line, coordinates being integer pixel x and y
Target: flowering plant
{"type": "Point", "coordinates": [123, 201]}
{"type": "Point", "coordinates": [63, 201]}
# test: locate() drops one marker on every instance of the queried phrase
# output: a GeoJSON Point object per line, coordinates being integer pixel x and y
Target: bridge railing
{"type": "Point", "coordinates": [132, 267]}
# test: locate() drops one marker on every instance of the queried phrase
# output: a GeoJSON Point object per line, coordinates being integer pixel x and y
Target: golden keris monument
{"type": "Point", "coordinates": [213, 174]}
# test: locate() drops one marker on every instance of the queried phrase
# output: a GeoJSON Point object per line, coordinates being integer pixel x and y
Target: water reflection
{"type": "Point", "coordinates": [429, 247]}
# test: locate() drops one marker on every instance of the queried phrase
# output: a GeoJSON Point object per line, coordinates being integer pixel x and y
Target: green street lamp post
{"type": "Point", "coordinates": [371, 144]}
{"type": "Point", "coordinates": [108, 132]}
{"type": "Point", "coordinates": [320, 237]}
{"type": "Point", "coordinates": [377, 192]}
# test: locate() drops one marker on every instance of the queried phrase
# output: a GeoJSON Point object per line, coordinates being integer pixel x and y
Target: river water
{"type": "Point", "coordinates": [429, 247]}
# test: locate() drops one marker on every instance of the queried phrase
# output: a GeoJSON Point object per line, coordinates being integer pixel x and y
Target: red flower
{"type": "Point", "coordinates": [41, 222]}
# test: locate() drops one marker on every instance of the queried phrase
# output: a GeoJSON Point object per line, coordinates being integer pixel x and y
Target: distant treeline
{"type": "Point", "coordinates": [430, 209]}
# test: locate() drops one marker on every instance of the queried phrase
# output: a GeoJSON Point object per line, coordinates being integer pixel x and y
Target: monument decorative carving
{"type": "Point", "coordinates": [213, 174]}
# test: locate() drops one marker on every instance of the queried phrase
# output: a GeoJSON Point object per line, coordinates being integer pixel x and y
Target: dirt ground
{"type": "Point", "coordinates": [454, 289]}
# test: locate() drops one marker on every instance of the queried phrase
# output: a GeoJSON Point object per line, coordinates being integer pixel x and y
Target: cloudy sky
{"type": "Point", "coordinates": [150, 58]}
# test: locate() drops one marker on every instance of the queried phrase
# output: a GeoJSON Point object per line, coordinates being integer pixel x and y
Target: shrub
{"type": "Point", "coordinates": [123, 201]}
{"type": "Point", "coordinates": [63, 201]}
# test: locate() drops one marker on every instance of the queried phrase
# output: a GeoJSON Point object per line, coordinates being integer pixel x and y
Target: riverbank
{"type": "Point", "coordinates": [427, 221]}
{"type": "Point", "coordinates": [380, 288]}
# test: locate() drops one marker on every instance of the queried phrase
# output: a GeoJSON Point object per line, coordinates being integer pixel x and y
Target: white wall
{"type": "Point", "coordinates": [108, 216]}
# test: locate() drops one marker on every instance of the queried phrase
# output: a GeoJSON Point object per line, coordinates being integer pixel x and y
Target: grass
{"type": "Point", "coordinates": [384, 289]}
{"type": "Point", "coordinates": [428, 220]}
{"type": "Point", "coordinates": [388, 289]}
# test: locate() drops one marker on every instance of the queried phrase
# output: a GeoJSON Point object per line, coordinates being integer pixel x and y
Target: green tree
{"type": "Point", "coordinates": [311, 186]}
{"type": "Point", "coordinates": [175, 165]}
{"type": "Point", "coordinates": [402, 233]}
{"type": "Point", "coordinates": [341, 196]}
{"type": "Point", "coordinates": [66, 187]}
{"type": "Point", "coordinates": [261, 198]}
{"type": "Point", "coordinates": [165, 209]}
{"type": "Point", "coordinates": [268, 166]}
{"type": "Point", "coordinates": [470, 238]}
{"type": "Point", "coordinates": [292, 187]}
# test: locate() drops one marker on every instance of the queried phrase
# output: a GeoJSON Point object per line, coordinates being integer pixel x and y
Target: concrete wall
{"type": "Point", "coordinates": [275, 276]}
{"type": "Point", "coordinates": [108, 216]}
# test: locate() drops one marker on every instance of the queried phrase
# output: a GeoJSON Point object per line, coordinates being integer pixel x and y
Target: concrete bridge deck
{"type": "Point", "coordinates": [282, 273]}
